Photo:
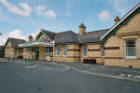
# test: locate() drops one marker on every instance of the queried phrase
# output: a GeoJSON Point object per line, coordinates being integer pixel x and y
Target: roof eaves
{"type": "Point", "coordinates": [67, 43]}
{"type": "Point", "coordinates": [42, 30]}
{"type": "Point", "coordinates": [46, 34]}
{"type": "Point", "coordinates": [38, 33]}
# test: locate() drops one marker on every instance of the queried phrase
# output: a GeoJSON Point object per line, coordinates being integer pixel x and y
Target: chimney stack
{"type": "Point", "coordinates": [30, 38]}
{"type": "Point", "coordinates": [82, 29]}
{"type": "Point", "coordinates": [117, 19]}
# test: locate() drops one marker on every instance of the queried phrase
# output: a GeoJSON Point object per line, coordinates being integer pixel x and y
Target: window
{"type": "Point", "coordinates": [130, 48]}
{"type": "Point", "coordinates": [102, 50]}
{"type": "Point", "coordinates": [58, 51]}
{"type": "Point", "coordinates": [64, 51]}
{"type": "Point", "coordinates": [47, 52]}
{"type": "Point", "coordinates": [84, 51]}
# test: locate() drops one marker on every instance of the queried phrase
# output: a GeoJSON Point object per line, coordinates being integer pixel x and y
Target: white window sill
{"type": "Point", "coordinates": [64, 56]}
{"type": "Point", "coordinates": [85, 56]}
{"type": "Point", "coordinates": [130, 57]}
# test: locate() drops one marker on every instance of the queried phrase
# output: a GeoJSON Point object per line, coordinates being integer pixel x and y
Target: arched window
{"type": "Point", "coordinates": [84, 51]}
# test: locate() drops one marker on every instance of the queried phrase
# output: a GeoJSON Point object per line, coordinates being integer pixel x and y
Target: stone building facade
{"type": "Point", "coordinates": [11, 48]}
{"type": "Point", "coordinates": [125, 34]}
{"type": "Point", "coordinates": [117, 46]}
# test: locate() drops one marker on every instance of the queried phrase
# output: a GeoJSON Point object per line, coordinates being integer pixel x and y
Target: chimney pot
{"type": "Point", "coordinates": [117, 19]}
{"type": "Point", "coordinates": [82, 29]}
{"type": "Point", "coordinates": [30, 38]}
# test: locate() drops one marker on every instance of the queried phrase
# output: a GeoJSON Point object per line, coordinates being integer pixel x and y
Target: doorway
{"type": "Point", "coordinates": [47, 54]}
{"type": "Point", "coordinates": [37, 54]}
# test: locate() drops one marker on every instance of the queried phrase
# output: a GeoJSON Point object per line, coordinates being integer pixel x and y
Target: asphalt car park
{"type": "Point", "coordinates": [34, 77]}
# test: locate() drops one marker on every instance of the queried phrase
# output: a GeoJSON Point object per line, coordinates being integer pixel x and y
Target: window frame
{"type": "Point", "coordinates": [47, 51]}
{"type": "Point", "coordinates": [65, 54]}
{"type": "Point", "coordinates": [126, 51]}
{"type": "Point", "coordinates": [83, 54]}
{"type": "Point", "coordinates": [58, 48]}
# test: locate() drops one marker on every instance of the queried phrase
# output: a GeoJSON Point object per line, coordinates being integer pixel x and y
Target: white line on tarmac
{"type": "Point", "coordinates": [65, 69]}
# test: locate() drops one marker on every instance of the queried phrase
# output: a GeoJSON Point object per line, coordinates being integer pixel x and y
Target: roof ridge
{"type": "Point", "coordinates": [98, 30]}
{"type": "Point", "coordinates": [65, 31]}
{"type": "Point", "coordinates": [47, 31]}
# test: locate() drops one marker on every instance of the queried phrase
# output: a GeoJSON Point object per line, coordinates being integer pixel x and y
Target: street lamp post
{"type": "Point", "coordinates": [53, 51]}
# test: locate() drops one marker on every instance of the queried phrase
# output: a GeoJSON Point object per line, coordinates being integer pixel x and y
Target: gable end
{"type": "Point", "coordinates": [124, 22]}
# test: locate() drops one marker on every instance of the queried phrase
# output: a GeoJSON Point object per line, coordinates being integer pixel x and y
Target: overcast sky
{"type": "Point", "coordinates": [20, 18]}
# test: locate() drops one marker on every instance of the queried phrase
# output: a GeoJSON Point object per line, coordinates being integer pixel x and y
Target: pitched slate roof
{"type": "Point", "coordinates": [51, 35]}
{"type": "Point", "coordinates": [72, 37]}
{"type": "Point", "coordinates": [136, 8]}
{"type": "Point", "coordinates": [92, 37]}
{"type": "Point", "coordinates": [87, 37]}
{"type": "Point", "coordinates": [66, 37]}
{"type": "Point", "coordinates": [15, 42]}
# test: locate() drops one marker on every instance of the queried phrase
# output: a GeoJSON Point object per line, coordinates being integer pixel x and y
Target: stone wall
{"type": "Point", "coordinates": [72, 53]}
{"type": "Point", "coordinates": [115, 47]}
{"type": "Point", "coordinates": [9, 51]}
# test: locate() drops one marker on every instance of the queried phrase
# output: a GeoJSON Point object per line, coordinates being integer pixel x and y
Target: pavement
{"type": "Point", "coordinates": [24, 76]}
{"type": "Point", "coordinates": [107, 71]}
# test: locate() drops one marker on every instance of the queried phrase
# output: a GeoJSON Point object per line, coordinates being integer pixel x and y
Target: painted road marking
{"type": "Point", "coordinates": [33, 66]}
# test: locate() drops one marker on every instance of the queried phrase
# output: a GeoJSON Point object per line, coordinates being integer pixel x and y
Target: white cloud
{"type": "Point", "coordinates": [50, 14]}
{"type": "Point", "coordinates": [104, 15]}
{"type": "Point", "coordinates": [68, 13]}
{"type": "Point", "coordinates": [23, 10]}
{"type": "Point", "coordinates": [14, 34]}
{"type": "Point", "coordinates": [17, 34]}
{"type": "Point", "coordinates": [69, 6]}
{"type": "Point", "coordinates": [120, 5]}
{"type": "Point", "coordinates": [3, 39]}
{"type": "Point", "coordinates": [42, 11]}
{"type": "Point", "coordinates": [35, 34]}
{"type": "Point", "coordinates": [0, 12]}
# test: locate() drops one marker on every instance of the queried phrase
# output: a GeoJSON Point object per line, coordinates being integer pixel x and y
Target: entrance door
{"type": "Point", "coordinates": [48, 54]}
{"type": "Point", "coordinates": [37, 54]}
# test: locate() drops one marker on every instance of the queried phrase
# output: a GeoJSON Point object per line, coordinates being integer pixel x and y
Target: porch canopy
{"type": "Point", "coordinates": [33, 44]}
